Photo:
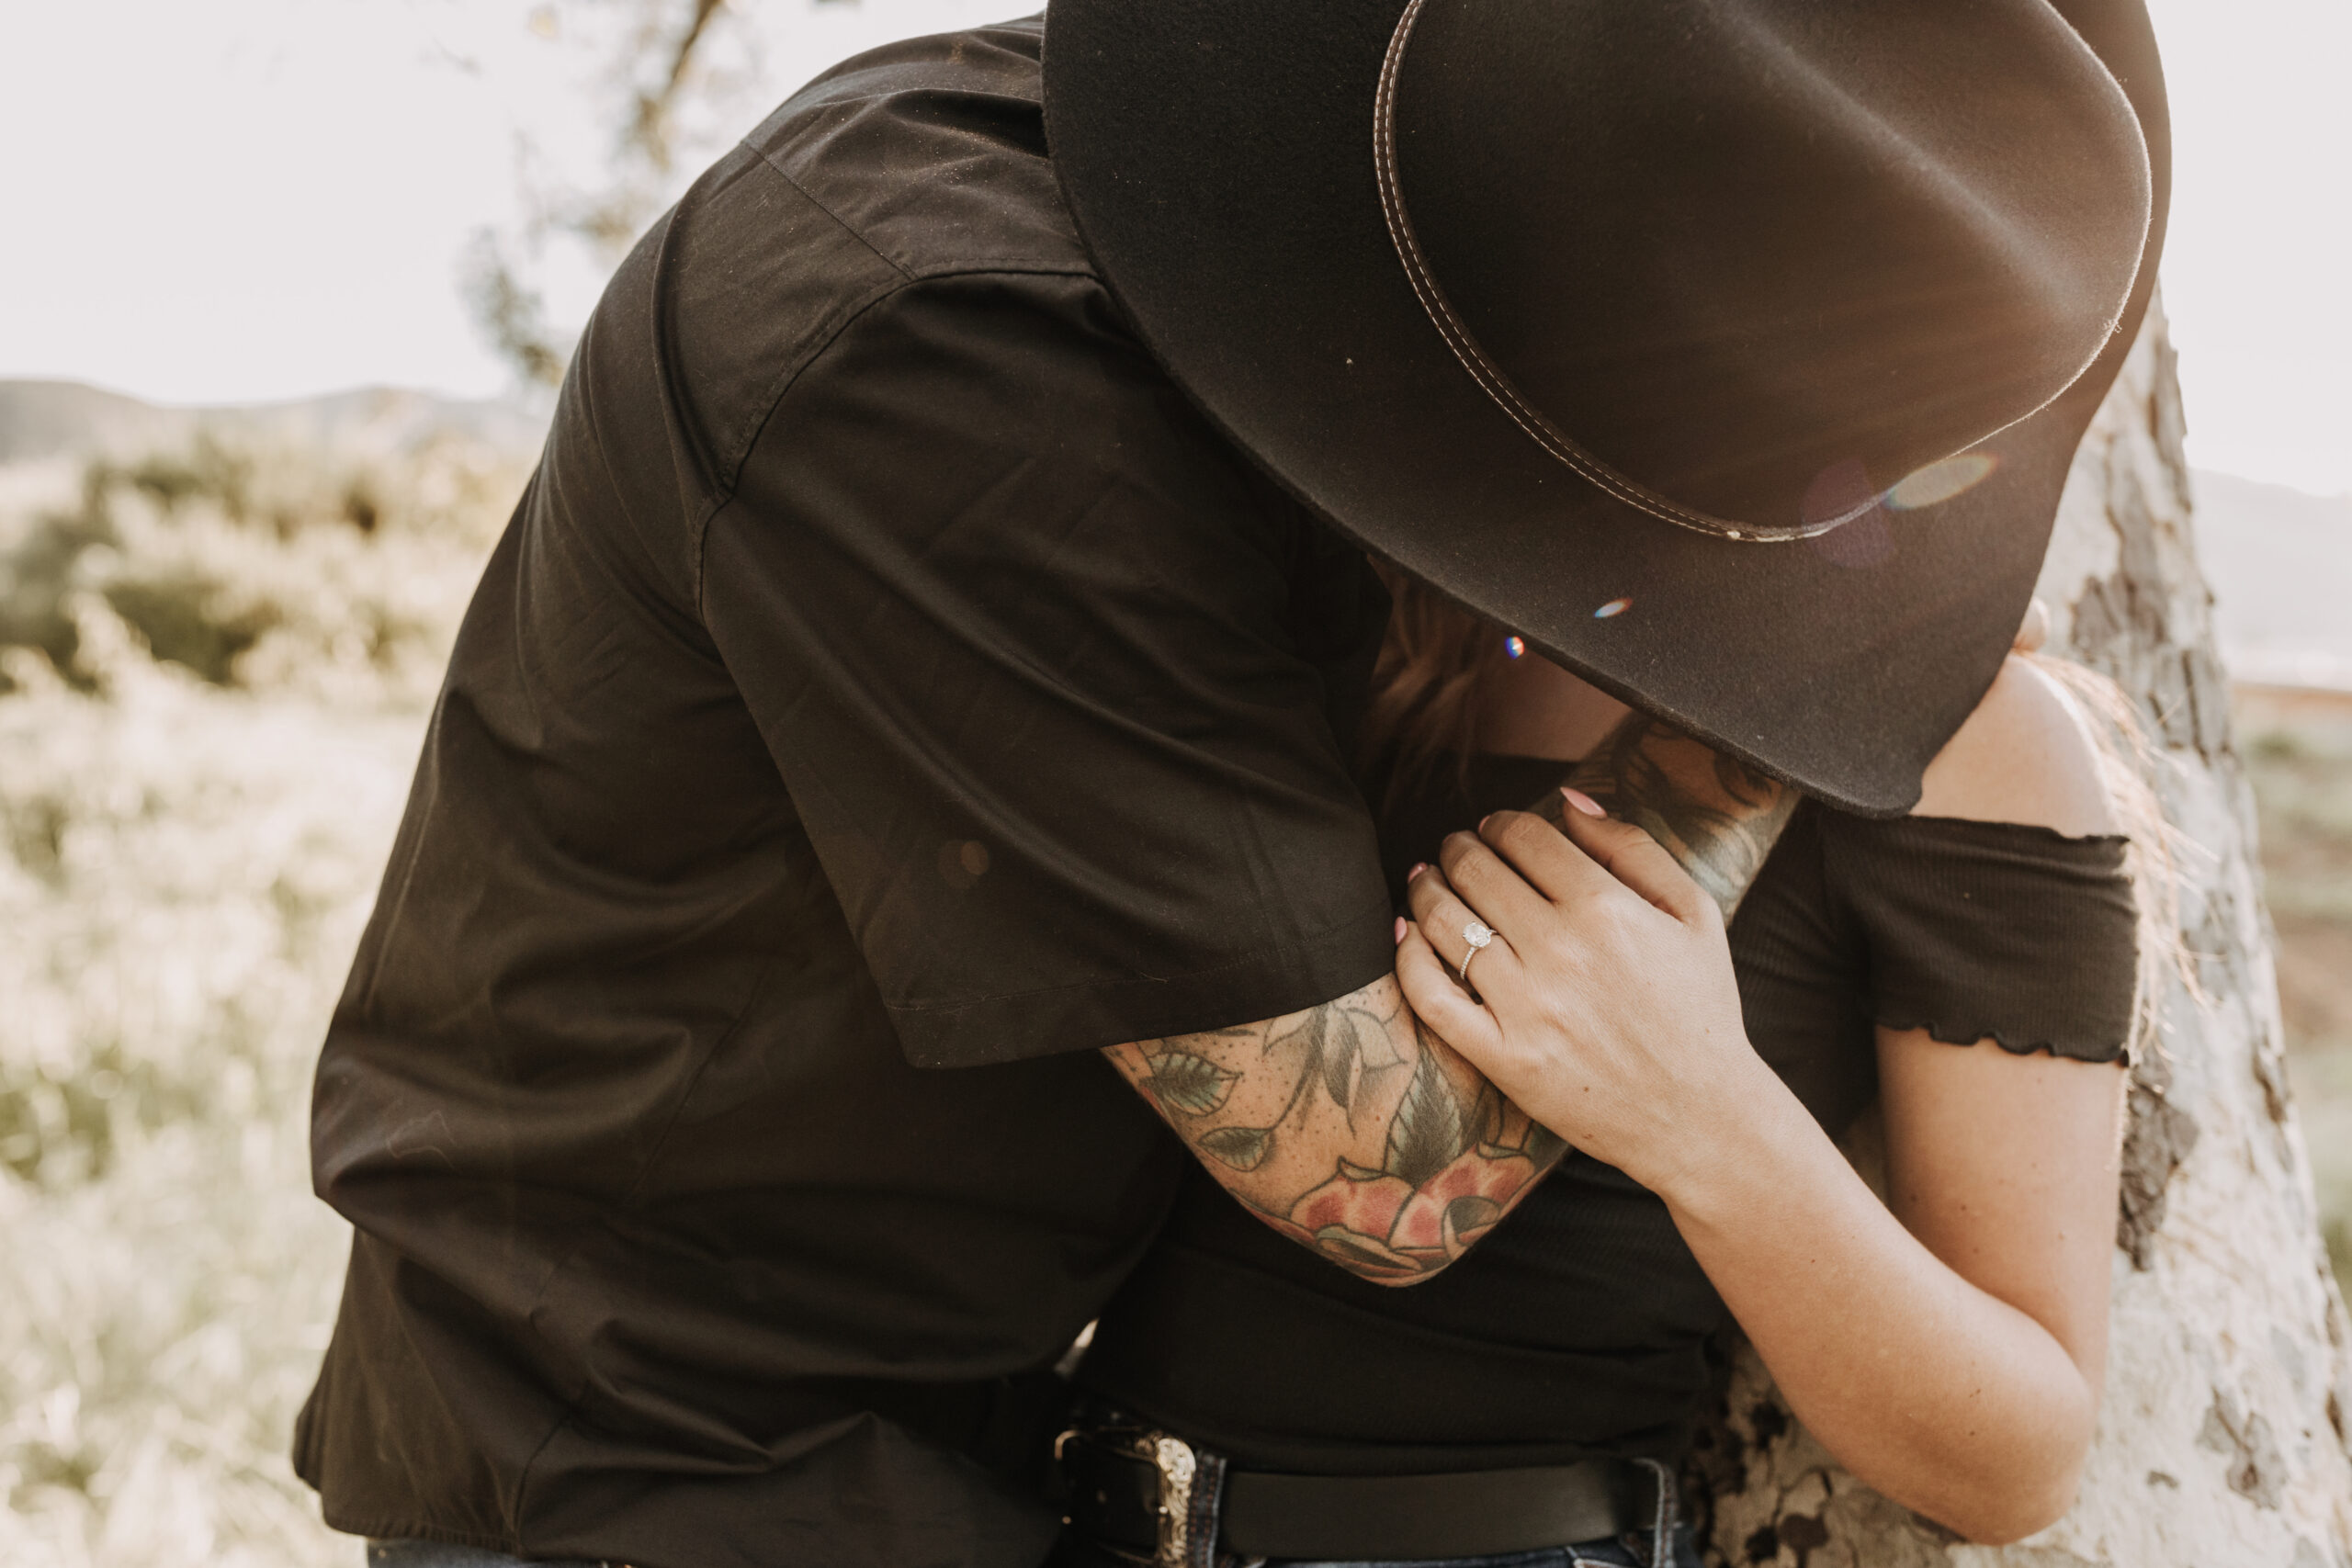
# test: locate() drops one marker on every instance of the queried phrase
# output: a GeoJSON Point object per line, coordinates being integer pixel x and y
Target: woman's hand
{"type": "Point", "coordinates": [1949, 1351]}
{"type": "Point", "coordinates": [1609, 1012]}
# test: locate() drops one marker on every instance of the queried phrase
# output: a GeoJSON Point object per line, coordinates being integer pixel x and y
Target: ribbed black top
{"type": "Point", "coordinates": [1579, 1325]}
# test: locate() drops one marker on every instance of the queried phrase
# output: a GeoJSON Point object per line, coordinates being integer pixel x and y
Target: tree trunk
{"type": "Point", "coordinates": [2229, 1384]}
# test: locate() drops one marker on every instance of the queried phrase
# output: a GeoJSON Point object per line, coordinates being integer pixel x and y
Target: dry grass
{"type": "Point", "coordinates": [188, 848]}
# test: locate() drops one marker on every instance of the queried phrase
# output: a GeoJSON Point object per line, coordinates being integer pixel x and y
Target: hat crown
{"type": "Point", "coordinates": [1732, 249]}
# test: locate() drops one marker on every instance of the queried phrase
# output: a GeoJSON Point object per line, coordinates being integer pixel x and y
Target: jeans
{"type": "Point", "coordinates": [442, 1554]}
{"type": "Point", "coordinates": [1074, 1553]}
{"type": "Point", "coordinates": [1588, 1554]}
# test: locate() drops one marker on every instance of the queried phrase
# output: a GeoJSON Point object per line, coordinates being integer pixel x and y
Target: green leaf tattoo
{"type": "Point", "coordinates": [1473, 1213]}
{"type": "Point", "coordinates": [1427, 1133]}
{"type": "Point", "coordinates": [1243, 1148]}
{"type": "Point", "coordinates": [1340, 1057]}
{"type": "Point", "coordinates": [1187, 1084]}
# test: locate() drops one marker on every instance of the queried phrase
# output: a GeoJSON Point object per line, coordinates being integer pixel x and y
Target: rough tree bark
{"type": "Point", "coordinates": [2229, 1380]}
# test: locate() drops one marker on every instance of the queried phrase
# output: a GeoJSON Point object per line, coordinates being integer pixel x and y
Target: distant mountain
{"type": "Point", "coordinates": [2280, 563]}
{"type": "Point", "coordinates": [65, 419]}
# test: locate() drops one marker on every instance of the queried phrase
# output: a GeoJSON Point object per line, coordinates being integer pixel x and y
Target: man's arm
{"type": "Point", "coordinates": [1350, 1128]}
{"type": "Point", "coordinates": [1355, 1130]}
{"type": "Point", "coordinates": [1717, 816]}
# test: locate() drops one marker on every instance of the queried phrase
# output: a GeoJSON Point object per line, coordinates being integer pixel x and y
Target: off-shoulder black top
{"type": "Point", "coordinates": [1579, 1326]}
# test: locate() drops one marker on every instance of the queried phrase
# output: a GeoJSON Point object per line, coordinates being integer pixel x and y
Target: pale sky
{"type": "Point", "coordinates": [238, 201]}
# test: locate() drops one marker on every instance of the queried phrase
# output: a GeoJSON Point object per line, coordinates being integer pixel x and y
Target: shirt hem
{"type": "Point", "coordinates": [398, 1530]}
{"type": "Point", "coordinates": [2021, 1045]}
{"type": "Point", "coordinates": [1054, 1021]}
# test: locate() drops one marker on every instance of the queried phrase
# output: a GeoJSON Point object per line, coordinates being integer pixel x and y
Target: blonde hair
{"type": "Point", "coordinates": [2129, 766]}
{"type": "Point", "coordinates": [1437, 666]}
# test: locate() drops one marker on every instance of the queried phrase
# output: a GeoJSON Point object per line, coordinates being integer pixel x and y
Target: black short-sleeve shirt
{"type": "Point", "coordinates": [886, 670]}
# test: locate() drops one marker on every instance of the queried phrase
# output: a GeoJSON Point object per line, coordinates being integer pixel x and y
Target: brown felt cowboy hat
{"type": "Point", "coordinates": [1732, 351]}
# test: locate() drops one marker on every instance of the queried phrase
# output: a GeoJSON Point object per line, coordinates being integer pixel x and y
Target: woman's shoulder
{"type": "Point", "coordinates": [2024, 758]}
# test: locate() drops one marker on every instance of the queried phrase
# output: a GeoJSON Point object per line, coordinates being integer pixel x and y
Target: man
{"type": "Point", "coordinates": [890, 670]}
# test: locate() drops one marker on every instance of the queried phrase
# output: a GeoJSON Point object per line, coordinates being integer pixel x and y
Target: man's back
{"type": "Point", "coordinates": [886, 670]}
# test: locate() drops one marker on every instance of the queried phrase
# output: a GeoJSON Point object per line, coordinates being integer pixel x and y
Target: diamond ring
{"type": "Point", "coordinates": [1478, 934]}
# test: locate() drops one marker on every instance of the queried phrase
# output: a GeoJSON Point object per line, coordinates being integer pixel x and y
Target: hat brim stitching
{"type": "Point", "coordinates": [1490, 378]}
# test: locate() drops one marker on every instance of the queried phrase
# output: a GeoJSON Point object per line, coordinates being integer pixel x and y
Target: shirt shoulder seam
{"type": "Point", "coordinates": [806, 195]}
{"type": "Point", "coordinates": [723, 496]}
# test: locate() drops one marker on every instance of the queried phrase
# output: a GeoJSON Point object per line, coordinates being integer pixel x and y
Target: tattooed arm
{"type": "Point", "coordinates": [1350, 1128]}
{"type": "Point", "coordinates": [1353, 1129]}
{"type": "Point", "coordinates": [1718, 816]}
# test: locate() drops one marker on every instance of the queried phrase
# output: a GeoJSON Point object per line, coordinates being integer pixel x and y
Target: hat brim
{"type": "Point", "coordinates": [1216, 156]}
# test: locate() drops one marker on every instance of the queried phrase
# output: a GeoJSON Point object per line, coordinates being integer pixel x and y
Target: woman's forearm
{"type": "Point", "coordinates": [1948, 1350]}
{"type": "Point", "coordinates": [1943, 1397]}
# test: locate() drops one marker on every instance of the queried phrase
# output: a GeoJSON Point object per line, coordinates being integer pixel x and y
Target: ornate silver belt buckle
{"type": "Point", "coordinates": [1178, 1469]}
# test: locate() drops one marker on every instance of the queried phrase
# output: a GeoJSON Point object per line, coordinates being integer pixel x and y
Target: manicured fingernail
{"type": "Point", "coordinates": [1400, 930]}
{"type": "Point", "coordinates": [1583, 802]}
{"type": "Point", "coordinates": [1418, 866]}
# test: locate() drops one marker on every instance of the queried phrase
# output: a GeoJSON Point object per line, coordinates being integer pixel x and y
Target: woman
{"type": "Point", "coordinates": [1972, 966]}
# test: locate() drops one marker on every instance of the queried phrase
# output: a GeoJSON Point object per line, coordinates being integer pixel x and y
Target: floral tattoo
{"type": "Point", "coordinates": [1435, 1154]}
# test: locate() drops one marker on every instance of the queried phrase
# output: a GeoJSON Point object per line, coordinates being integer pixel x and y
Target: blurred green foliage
{"type": "Point", "coordinates": [221, 551]}
{"type": "Point", "coordinates": [2298, 756]}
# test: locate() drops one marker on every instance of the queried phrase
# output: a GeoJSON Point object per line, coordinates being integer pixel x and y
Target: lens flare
{"type": "Point", "coordinates": [1939, 482]}
{"type": "Point", "coordinates": [1865, 541]}
{"type": "Point", "coordinates": [1614, 607]}
{"type": "Point", "coordinates": [1513, 647]}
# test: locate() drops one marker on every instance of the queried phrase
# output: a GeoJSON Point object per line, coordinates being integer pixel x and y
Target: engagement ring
{"type": "Point", "coordinates": [1477, 934]}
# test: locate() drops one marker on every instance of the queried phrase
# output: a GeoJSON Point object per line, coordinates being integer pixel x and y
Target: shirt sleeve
{"type": "Point", "coordinates": [1977, 930]}
{"type": "Point", "coordinates": [1044, 665]}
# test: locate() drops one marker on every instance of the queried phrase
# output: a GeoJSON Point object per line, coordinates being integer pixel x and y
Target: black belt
{"type": "Point", "coordinates": [1153, 1497]}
